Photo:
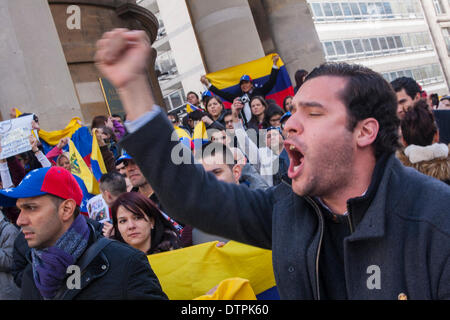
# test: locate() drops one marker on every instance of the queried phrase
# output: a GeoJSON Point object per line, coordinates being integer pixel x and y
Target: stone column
{"type": "Point", "coordinates": [294, 34]}
{"type": "Point", "coordinates": [226, 32]}
{"type": "Point", "coordinates": [435, 23]}
{"type": "Point", "coordinates": [34, 73]}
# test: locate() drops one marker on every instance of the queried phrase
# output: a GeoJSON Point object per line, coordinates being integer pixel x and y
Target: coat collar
{"type": "Point", "coordinates": [373, 223]}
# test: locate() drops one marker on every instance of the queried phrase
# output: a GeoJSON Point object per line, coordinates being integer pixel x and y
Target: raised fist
{"type": "Point", "coordinates": [122, 56]}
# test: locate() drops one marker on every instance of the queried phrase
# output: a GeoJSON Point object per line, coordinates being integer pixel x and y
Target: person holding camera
{"type": "Point", "coordinates": [247, 90]}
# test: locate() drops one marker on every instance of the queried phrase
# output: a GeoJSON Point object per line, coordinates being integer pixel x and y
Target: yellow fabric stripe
{"type": "Point", "coordinates": [255, 69]}
{"type": "Point", "coordinates": [191, 272]}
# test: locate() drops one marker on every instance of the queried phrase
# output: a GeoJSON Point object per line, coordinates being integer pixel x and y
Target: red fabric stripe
{"type": "Point", "coordinates": [280, 95]}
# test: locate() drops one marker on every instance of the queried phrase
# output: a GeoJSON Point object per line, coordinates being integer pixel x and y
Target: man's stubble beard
{"type": "Point", "coordinates": [331, 170]}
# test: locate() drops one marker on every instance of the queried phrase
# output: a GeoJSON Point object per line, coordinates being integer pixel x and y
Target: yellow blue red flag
{"type": "Point", "coordinates": [80, 169]}
{"type": "Point", "coordinates": [97, 163]}
{"type": "Point", "coordinates": [190, 108]}
{"type": "Point", "coordinates": [200, 135]}
{"type": "Point", "coordinates": [259, 71]}
{"type": "Point", "coordinates": [200, 268]}
{"type": "Point", "coordinates": [184, 137]}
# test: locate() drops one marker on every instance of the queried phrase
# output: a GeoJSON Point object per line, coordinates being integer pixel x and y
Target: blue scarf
{"type": "Point", "coordinates": [50, 264]}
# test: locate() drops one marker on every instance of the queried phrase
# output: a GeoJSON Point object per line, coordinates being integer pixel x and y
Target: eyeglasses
{"type": "Point", "coordinates": [127, 162]}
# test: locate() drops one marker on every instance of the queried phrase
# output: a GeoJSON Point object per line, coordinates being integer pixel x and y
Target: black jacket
{"type": "Point", "coordinates": [404, 233]}
{"type": "Point", "coordinates": [257, 91]}
{"type": "Point", "coordinates": [118, 272]}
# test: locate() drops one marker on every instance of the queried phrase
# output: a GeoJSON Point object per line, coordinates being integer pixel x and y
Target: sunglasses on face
{"type": "Point", "coordinates": [126, 163]}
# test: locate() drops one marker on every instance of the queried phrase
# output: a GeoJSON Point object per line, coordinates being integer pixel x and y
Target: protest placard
{"type": "Point", "coordinates": [14, 136]}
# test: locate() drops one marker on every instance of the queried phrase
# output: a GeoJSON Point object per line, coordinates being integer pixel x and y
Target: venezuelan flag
{"type": "Point", "coordinates": [97, 163]}
{"type": "Point", "coordinates": [200, 268]}
{"type": "Point", "coordinates": [79, 134]}
{"type": "Point", "coordinates": [200, 135]}
{"type": "Point", "coordinates": [259, 70]}
{"type": "Point", "coordinates": [81, 170]}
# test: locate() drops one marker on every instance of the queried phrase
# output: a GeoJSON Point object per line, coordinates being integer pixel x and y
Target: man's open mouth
{"type": "Point", "coordinates": [296, 159]}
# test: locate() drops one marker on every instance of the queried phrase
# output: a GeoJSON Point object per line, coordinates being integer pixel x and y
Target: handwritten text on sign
{"type": "Point", "coordinates": [14, 135]}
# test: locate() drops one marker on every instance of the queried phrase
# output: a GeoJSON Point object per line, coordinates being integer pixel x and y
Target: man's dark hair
{"type": "Point", "coordinates": [434, 99]}
{"type": "Point", "coordinates": [409, 84]}
{"type": "Point", "coordinates": [192, 92]}
{"type": "Point", "coordinates": [175, 115]}
{"type": "Point", "coordinates": [98, 122]}
{"type": "Point", "coordinates": [114, 183]}
{"type": "Point", "coordinates": [272, 110]}
{"type": "Point", "coordinates": [226, 113]}
{"type": "Point", "coordinates": [419, 125]}
{"type": "Point", "coordinates": [115, 115]}
{"type": "Point", "coordinates": [366, 95]}
{"type": "Point", "coordinates": [57, 202]}
{"type": "Point", "coordinates": [299, 74]}
{"type": "Point", "coordinates": [210, 149]}
{"type": "Point", "coordinates": [35, 117]}
{"type": "Point", "coordinates": [196, 115]}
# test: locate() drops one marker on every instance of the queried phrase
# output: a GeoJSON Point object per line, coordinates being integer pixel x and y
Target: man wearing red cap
{"type": "Point", "coordinates": [62, 241]}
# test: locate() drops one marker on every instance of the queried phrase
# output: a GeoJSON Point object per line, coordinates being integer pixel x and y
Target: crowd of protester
{"type": "Point", "coordinates": [246, 147]}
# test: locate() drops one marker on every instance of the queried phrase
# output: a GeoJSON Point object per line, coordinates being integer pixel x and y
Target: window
{"type": "Point", "coordinates": [438, 7]}
{"type": "Point", "coordinates": [366, 45]}
{"type": "Point", "coordinates": [398, 41]}
{"type": "Point", "coordinates": [363, 8]}
{"type": "Point", "coordinates": [380, 8]}
{"type": "Point", "coordinates": [375, 44]}
{"type": "Point", "coordinates": [387, 8]}
{"type": "Point", "coordinates": [339, 47]}
{"type": "Point", "coordinates": [349, 47]}
{"type": "Point", "coordinates": [317, 10]}
{"type": "Point", "coordinates": [446, 33]}
{"type": "Point", "coordinates": [436, 70]}
{"type": "Point", "coordinates": [420, 40]}
{"type": "Point", "coordinates": [408, 73]}
{"type": "Point", "coordinates": [390, 42]}
{"type": "Point", "coordinates": [329, 49]}
{"type": "Point", "coordinates": [346, 9]}
{"type": "Point", "coordinates": [406, 39]}
{"type": "Point", "coordinates": [357, 45]}
{"type": "Point", "coordinates": [383, 43]}
{"type": "Point", "coordinates": [351, 10]}
{"type": "Point", "coordinates": [174, 99]}
{"type": "Point", "coordinates": [336, 9]}
{"type": "Point", "coordinates": [327, 9]}
{"type": "Point", "coordinates": [355, 9]}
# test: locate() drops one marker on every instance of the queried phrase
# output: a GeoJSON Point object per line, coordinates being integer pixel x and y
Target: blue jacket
{"type": "Point", "coordinates": [400, 248]}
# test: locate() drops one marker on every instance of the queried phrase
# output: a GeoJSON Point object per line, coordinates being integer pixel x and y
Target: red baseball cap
{"type": "Point", "coordinates": [51, 180]}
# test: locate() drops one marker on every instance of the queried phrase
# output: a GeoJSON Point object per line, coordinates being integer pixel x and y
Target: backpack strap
{"type": "Point", "coordinates": [67, 294]}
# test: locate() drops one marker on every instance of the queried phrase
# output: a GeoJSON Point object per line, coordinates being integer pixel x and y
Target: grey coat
{"type": "Point", "coordinates": [8, 233]}
{"type": "Point", "coordinates": [400, 248]}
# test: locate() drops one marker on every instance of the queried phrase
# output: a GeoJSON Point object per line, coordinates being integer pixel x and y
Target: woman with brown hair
{"type": "Point", "coordinates": [138, 222]}
{"type": "Point", "coordinates": [420, 136]}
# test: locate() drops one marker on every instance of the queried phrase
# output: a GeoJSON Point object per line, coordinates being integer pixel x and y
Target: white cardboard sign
{"type": "Point", "coordinates": [14, 136]}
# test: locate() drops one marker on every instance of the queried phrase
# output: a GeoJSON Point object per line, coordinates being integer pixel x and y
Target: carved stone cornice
{"type": "Point", "coordinates": [127, 9]}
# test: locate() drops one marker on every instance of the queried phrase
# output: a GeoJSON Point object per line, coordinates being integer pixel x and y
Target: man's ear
{"type": "Point", "coordinates": [66, 209]}
{"type": "Point", "coordinates": [366, 132]}
{"type": "Point", "coordinates": [237, 171]}
{"type": "Point", "coordinates": [417, 97]}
